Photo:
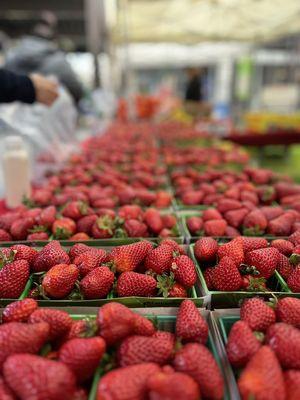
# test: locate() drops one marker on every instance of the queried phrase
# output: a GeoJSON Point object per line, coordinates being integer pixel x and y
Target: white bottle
{"type": "Point", "coordinates": [16, 171]}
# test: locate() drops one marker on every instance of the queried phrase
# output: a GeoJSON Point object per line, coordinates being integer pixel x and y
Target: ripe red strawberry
{"type": "Point", "coordinates": [13, 279]}
{"type": "Point", "coordinates": [177, 290]}
{"type": "Point", "coordinates": [52, 254]}
{"type": "Point", "coordinates": [258, 314]}
{"type": "Point", "coordinates": [86, 223]}
{"type": "Point", "coordinates": [76, 210]}
{"type": "Point", "coordinates": [172, 385]}
{"type": "Point", "coordinates": [175, 246]}
{"type": "Point", "coordinates": [242, 344]}
{"type": "Point", "coordinates": [132, 211]}
{"type": "Point", "coordinates": [206, 249]}
{"type": "Point", "coordinates": [97, 283]}
{"type": "Point", "coordinates": [23, 252]}
{"type": "Point", "coordinates": [283, 246]}
{"type": "Point", "coordinates": [89, 260]}
{"type": "Point", "coordinates": [252, 243]}
{"type": "Point", "coordinates": [288, 311]}
{"type": "Point", "coordinates": [284, 267]}
{"type": "Point", "coordinates": [225, 205]}
{"type": "Point", "coordinates": [159, 260]}
{"type": "Point", "coordinates": [7, 219]}
{"type": "Point", "coordinates": [103, 227]}
{"type": "Point", "coordinates": [153, 220]}
{"type": "Point", "coordinates": [271, 212]}
{"type": "Point", "coordinates": [60, 280]}
{"type": "Point", "coordinates": [5, 391]}
{"type": "Point", "coordinates": [42, 197]}
{"type": "Point", "coordinates": [78, 249]}
{"type": "Point", "coordinates": [143, 326]}
{"type": "Point", "coordinates": [236, 217]}
{"type": "Point", "coordinates": [196, 361]}
{"type": "Point", "coordinates": [135, 228]}
{"type": "Point", "coordinates": [262, 378]}
{"type": "Point", "coordinates": [115, 322]}
{"type": "Point", "coordinates": [292, 384]}
{"type": "Point", "coordinates": [232, 249]}
{"type": "Point", "coordinates": [211, 213]}
{"type": "Point", "coordinates": [59, 321]}
{"type": "Point", "coordinates": [128, 257]}
{"type": "Point", "coordinates": [215, 227]}
{"type": "Point", "coordinates": [134, 284]}
{"type": "Point", "coordinates": [293, 280]}
{"type": "Point", "coordinates": [82, 356]}
{"type": "Point", "coordinates": [38, 236]}
{"type": "Point", "coordinates": [169, 221]}
{"type": "Point", "coordinates": [184, 271]}
{"type": "Point", "coordinates": [281, 226]}
{"type": "Point", "coordinates": [192, 197]}
{"type": "Point", "coordinates": [226, 276]}
{"type": "Point", "coordinates": [19, 337]}
{"type": "Point", "coordinates": [63, 228]}
{"type": "Point", "coordinates": [34, 377]}
{"type": "Point", "coordinates": [284, 339]}
{"type": "Point", "coordinates": [126, 383]}
{"type": "Point", "coordinates": [20, 228]}
{"type": "Point", "coordinates": [194, 225]}
{"type": "Point", "coordinates": [255, 223]}
{"type": "Point", "coordinates": [264, 260]}
{"type": "Point", "coordinates": [209, 277]}
{"type": "Point", "coordinates": [46, 217]}
{"type": "Point", "coordinates": [139, 349]}
{"type": "Point", "coordinates": [5, 236]}
{"type": "Point", "coordinates": [79, 236]}
{"type": "Point", "coordinates": [19, 311]}
{"type": "Point", "coordinates": [190, 325]}
{"type": "Point", "coordinates": [295, 238]}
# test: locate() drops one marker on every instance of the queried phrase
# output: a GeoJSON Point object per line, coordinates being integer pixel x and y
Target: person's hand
{"type": "Point", "coordinates": [46, 91]}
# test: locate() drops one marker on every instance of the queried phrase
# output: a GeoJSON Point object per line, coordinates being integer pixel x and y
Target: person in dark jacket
{"type": "Point", "coordinates": [27, 89]}
{"type": "Point", "coordinates": [194, 85]}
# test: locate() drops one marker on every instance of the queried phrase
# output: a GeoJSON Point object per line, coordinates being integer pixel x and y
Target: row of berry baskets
{"type": "Point", "coordinates": [213, 273]}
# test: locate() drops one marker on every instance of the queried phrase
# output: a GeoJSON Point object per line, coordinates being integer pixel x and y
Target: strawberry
{"type": "Point", "coordinates": [132, 211]}
{"type": "Point", "coordinates": [258, 314]}
{"type": "Point", "coordinates": [38, 236]}
{"type": "Point", "coordinates": [97, 283]}
{"type": "Point", "coordinates": [5, 391]}
{"type": "Point", "coordinates": [184, 271]}
{"type": "Point", "coordinates": [169, 221]}
{"type": "Point", "coordinates": [283, 246]}
{"type": "Point", "coordinates": [86, 223]}
{"type": "Point", "coordinates": [13, 279]}
{"type": "Point", "coordinates": [23, 252]}
{"type": "Point", "coordinates": [89, 260]}
{"type": "Point", "coordinates": [177, 290]}
{"type": "Point", "coordinates": [5, 236]}
{"type": "Point", "coordinates": [215, 227]}
{"type": "Point", "coordinates": [284, 267]}
{"type": "Point", "coordinates": [79, 237]}
{"type": "Point", "coordinates": [78, 249]}
{"type": "Point", "coordinates": [194, 225]}
{"type": "Point", "coordinates": [211, 213]}
{"type": "Point", "coordinates": [46, 217]}
{"type": "Point", "coordinates": [19, 311]}
{"type": "Point", "coordinates": [190, 325]}
{"type": "Point", "coordinates": [209, 277]}
{"type": "Point", "coordinates": [59, 321]}
{"type": "Point", "coordinates": [242, 344]}
{"type": "Point", "coordinates": [82, 356]}
{"type": "Point", "coordinates": [236, 217]}
{"type": "Point", "coordinates": [252, 243]}
{"type": "Point", "coordinates": [52, 254]}
{"type": "Point", "coordinates": [128, 257]}
{"type": "Point", "coordinates": [6, 220]}
{"type": "Point", "coordinates": [225, 205]}
{"type": "Point", "coordinates": [232, 249]}
{"type": "Point", "coordinates": [34, 377]}
{"type": "Point", "coordinates": [175, 246]}
{"type": "Point", "coordinates": [63, 228]}
{"type": "Point", "coordinates": [262, 378]}
{"type": "Point", "coordinates": [139, 349]}
{"type": "Point", "coordinates": [76, 210]}
{"type": "Point", "coordinates": [115, 322]}
{"type": "Point", "coordinates": [295, 238]}
{"type": "Point", "coordinates": [153, 220]}
{"type": "Point", "coordinates": [271, 212]}
{"type": "Point", "coordinates": [206, 249]}
{"type": "Point", "coordinates": [288, 311]}
{"type": "Point", "coordinates": [42, 197]}
{"type": "Point", "coordinates": [281, 226]}
{"type": "Point", "coordinates": [159, 260]}
{"type": "Point", "coordinates": [172, 385]}
{"type": "Point", "coordinates": [226, 276]}
{"type": "Point", "coordinates": [264, 260]}
{"type": "Point", "coordinates": [80, 394]}
{"type": "Point", "coordinates": [143, 326]}
{"type": "Point", "coordinates": [103, 227]}
{"type": "Point", "coordinates": [18, 337]}
{"type": "Point", "coordinates": [255, 223]}
{"type": "Point", "coordinates": [126, 383]}
{"type": "Point", "coordinates": [20, 228]}
{"type": "Point", "coordinates": [135, 228]}
{"type": "Point", "coordinates": [292, 384]}
{"type": "Point", "coordinates": [284, 339]}
{"type": "Point", "coordinates": [134, 284]}
{"type": "Point", "coordinates": [192, 197]}
{"type": "Point", "coordinates": [195, 360]}
{"type": "Point", "coordinates": [60, 280]}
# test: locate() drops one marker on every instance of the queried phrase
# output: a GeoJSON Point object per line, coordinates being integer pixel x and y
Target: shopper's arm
{"type": "Point", "coordinates": [15, 87]}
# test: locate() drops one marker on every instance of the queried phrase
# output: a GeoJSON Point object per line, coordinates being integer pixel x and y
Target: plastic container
{"type": "Point", "coordinates": [16, 171]}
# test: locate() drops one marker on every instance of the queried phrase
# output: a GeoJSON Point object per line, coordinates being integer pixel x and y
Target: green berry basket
{"type": "Point", "coordinates": [194, 293]}
{"type": "Point", "coordinates": [219, 299]}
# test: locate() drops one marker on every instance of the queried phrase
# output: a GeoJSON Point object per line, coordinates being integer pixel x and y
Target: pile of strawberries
{"type": "Point", "coordinates": [47, 355]}
{"type": "Point", "coordinates": [77, 221]}
{"type": "Point", "coordinates": [265, 344]}
{"type": "Point", "coordinates": [249, 263]}
{"type": "Point", "coordinates": [137, 269]}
